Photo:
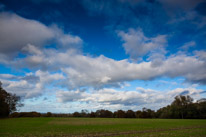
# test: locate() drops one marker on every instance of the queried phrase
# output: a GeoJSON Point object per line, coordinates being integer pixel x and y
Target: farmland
{"type": "Point", "coordinates": [36, 127]}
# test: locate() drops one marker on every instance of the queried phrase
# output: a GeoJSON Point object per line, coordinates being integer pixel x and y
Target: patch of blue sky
{"type": "Point", "coordinates": [8, 70]}
{"type": "Point", "coordinates": [160, 84]}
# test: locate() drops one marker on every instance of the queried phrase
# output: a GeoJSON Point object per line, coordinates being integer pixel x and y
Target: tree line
{"type": "Point", "coordinates": [183, 107]}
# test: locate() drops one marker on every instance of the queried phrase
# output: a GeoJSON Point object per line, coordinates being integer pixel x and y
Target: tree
{"type": "Point", "coordinates": [8, 102]}
{"type": "Point", "coordinates": [130, 114]}
{"type": "Point", "coordinates": [84, 113]}
{"type": "Point", "coordinates": [138, 114]}
{"type": "Point", "coordinates": [48, 114]}
{"type": "Point", "coordinates": [181, 105]}
{"type": "Point", "coordinates": [144, 113]}
{"type": "Point", "coordinates": [76, 114]}
{"type": "Point", "coordinates": [104, 113]}
{"type": "Point", "coordinates": [119, 114]}
{"type": "Point", "coordinates": [92, 114]}
{"type": "Point", "coordinates": [201, 108]}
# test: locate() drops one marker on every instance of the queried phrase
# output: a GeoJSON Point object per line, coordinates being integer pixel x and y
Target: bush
{"type": "Point", "coordinates": [25, 114]}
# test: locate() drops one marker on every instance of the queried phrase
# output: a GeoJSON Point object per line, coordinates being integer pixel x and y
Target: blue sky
{"type": "Point", "coordinates": [65, 55]}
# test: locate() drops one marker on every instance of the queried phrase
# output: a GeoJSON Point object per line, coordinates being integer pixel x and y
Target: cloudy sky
{"type": "Point", "coordinates": [67, 55]}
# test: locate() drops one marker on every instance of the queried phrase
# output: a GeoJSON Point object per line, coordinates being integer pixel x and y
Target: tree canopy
{"type": "Point", "coordinates": [8, 102]}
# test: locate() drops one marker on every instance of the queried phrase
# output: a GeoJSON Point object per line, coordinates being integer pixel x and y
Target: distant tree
{"type": "Point", "coordinates": [48, 114]}
{"type": "Point", "coordinates": [138, 114]}
{"type": "Point", "coordinates": [164, 112]}
{"type": "Point", "coordinates": [180, 105]}
{"type": "Point", "coordinates": [201, 108]}
{"type": "Point", "coordinates": [104, 113]}
{"type": "Point", "coordinates": [25, 114]}
{"type": "Point", "coordinates": [84, 113]}
{"type": "Point", "coordinates": [8, 102]}
{"type": "Point", "coordinates": [92, 114]}
{"type": "Point", "coordinates": [120, 114]}
{"type": "Point", "coordinates": [108, 114]}
{"type": "Point", "coordinates": [144, 113]}
{"type": "Point", "coordinates": [76, 114]}
{"type": "Point", "coordinates": [130, 114]}
{"type": "Point", "coordinates": [150, 113]}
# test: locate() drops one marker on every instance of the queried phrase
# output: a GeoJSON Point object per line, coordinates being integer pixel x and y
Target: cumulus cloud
{"type": "Point", "coordinates": [88, 71]}
{"type": "Point", "coordinates": [31, 85]}
{"type": "Point", "coordinates": [72, 96]}
{"type": "Point", "coordinates": [16, 32]}
{"type": "Point", "coordinates": [136, 44]}
{"type": "Point", "coordinates": [84, 71]}
{"type": "Point", "coordinates": [139, 97]}
{"type": "Point", "coordinates": [98, 72]}
{"type": "Point", "coordinates": [188, 45]}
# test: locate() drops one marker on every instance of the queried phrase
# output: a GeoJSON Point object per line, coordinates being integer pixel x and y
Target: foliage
{"type": "Point", "coordinates": [8, 102]}
{"type": "Point", "coordinates": [183, 107]}
{"type": "Point", "coordinates": [25, 114]}
{"type": "Point", "coordinates": [48, 114]}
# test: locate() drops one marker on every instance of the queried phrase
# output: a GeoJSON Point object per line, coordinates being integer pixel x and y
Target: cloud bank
{"type": "Point", "coordinates": [98, 72]}
{"type": "Point", "coordinates": [122, 99]}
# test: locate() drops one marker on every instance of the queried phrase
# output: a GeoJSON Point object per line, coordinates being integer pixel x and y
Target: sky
{"type": "Point", "coordinates": [63, 56]}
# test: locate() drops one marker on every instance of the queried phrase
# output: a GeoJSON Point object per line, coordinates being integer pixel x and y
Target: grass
{"type": "Point", "coordinates": [31, 127]}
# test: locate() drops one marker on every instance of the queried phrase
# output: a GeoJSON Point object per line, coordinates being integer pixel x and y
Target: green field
{"type": "Point", "coordinates": [63, 127]}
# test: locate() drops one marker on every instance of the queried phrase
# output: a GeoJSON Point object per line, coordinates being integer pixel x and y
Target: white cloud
{"type": "Point", "coordinates": [66, 40]}
{"type": "Point", "coordinates": [73, 96]}
{"type": "Point", "coordinates": [69, 40]}
{"type": "Point", "coordinates": [31, 85]}
{"type": "Point", "coordinates": [190, 67]}
{"type": "Point", "coordinates": [188, 45]}
{"type": "Point", "coordinates": [22, 88]}
{"type": "Point", "coordinates": [7, 76]}
{"type": "Point", "coordinates": [17, 32]}
{"type": "Point", "coordinates": [136, 44]}
{"type": "Point", "coordinates": [98, 72]}
{"type": "Point", "coordinates": [31, 49]}
{"type": "Point", "coordinates": [139, 98]}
